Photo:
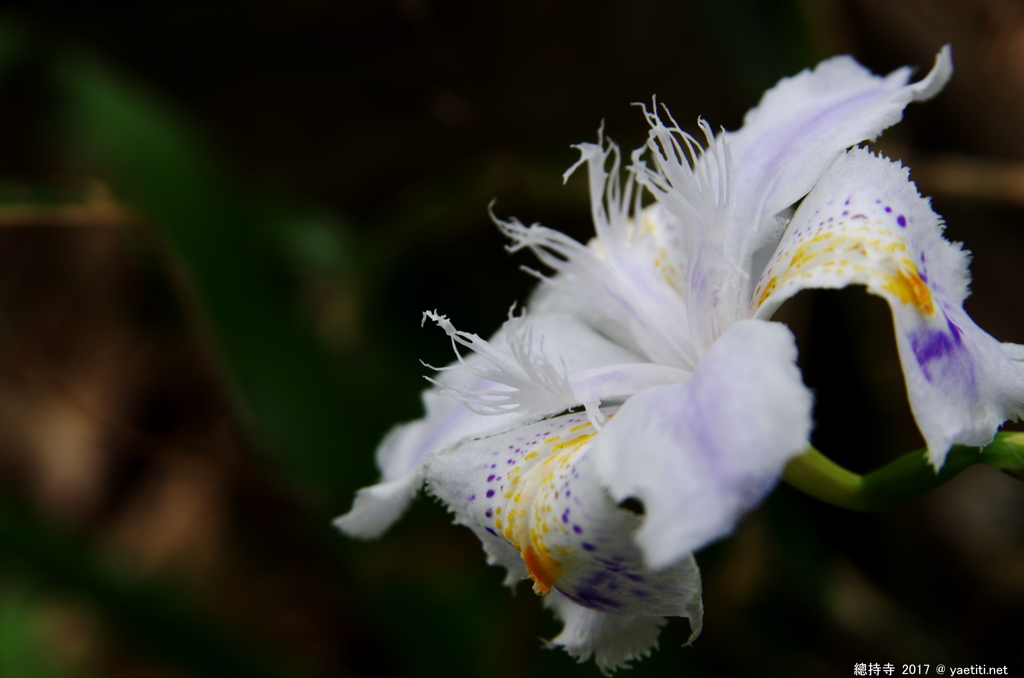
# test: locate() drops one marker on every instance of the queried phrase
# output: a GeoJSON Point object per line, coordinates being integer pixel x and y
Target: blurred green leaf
{"type": "Point", "coordinates": [23, 653]}
{"type": "Point", "coordinates": [285, 379]}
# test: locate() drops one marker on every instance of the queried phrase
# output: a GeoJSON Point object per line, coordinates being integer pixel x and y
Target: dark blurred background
{"type": "Point", "coordinates": [219, 224]}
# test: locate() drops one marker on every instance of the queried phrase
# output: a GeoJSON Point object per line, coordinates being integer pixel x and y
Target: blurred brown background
{"type": "Point", "coordinates": [219, 224]}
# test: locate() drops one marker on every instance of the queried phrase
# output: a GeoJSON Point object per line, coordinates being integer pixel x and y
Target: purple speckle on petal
{"type": "Point", "coordinates": [902, 221]}
{"type": "Point", "coordinates": [491, 531]}
{"type": "Point", "coordinates": [490, 493]}
{"type": "Point", "coordinates": [565, 516]}
{"type": "Point", "coordinates": [587, 546]}
{"type": "Point", "coordinates": [888, 209]}
{"type": "Point", "coordinates": [472, 497]}
{"type": "Point", "coordinates": [577, 529]}
{"type": "Point", "coordinates": [489, 513]}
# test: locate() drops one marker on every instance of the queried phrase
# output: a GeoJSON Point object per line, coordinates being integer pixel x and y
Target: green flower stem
{"type": "Point", "coordinates": [909, 476]}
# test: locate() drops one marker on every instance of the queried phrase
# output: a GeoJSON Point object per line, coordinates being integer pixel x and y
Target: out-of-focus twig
{"type": "Point", "coordinates": [975, 178]}
{"type": "Point", "coordinates": [93, 212]}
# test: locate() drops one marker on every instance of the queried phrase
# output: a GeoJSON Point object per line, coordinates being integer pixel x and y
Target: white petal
{"type": "Point", "coordinates": [802, 124]}
{"type": "Point", "coordinates": [377, 507]}
{"type": "Point", "coordinates": [700, 454]}
{"type": "Point", "coordinates": [596, 369]}
{"type": "Point", "coordinates": [624, 283]}
{"type": "Point", "coordinates": [536, 488]}
{"type": "Point", "coordinates": [865, 224]}
{"type": "Point", "coordinates": [612, 639]}
{"type": "Point", "coordinates": [401, 453]}
{"type": "Point", "coordinates": [693, 185]}
{"type": "Point", "coordinates": [550, 363]}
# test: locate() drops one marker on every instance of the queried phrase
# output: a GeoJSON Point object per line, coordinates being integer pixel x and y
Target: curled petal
{"type": "Point", "coordinates": [865, 224]}
{"type": "Point", "coordinates": [698, 455]}
{"type": "Point", "coordinates": [802, 124]}
{"type": "Point", "coordinates": [401, 453]}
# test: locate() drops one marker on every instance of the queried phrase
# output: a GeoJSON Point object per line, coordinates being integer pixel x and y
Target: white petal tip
{"type": "Point", "coordinates": [356, 527]}
{"type": "Point", "coordinates": [937, 78]}
{"type": "Point", "coordinates": [377, 507]}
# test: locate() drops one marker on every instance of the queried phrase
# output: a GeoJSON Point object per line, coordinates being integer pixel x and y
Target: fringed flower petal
{"type": "Point", "coordinates": [536, 489]}
{"type": "Point", "coordinates": [626, 283]}
{"type": "Point", "coordinates": [865, 224]}
{"type": "Point", "coordinates": [799, 128]}
{"type": "Point", "coordinates": [613, 640]}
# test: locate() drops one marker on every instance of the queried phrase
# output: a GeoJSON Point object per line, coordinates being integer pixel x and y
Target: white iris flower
{"type": "Point", "coordinates": [647, 401]}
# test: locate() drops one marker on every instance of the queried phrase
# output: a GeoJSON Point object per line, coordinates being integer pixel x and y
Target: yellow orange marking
{"type": "Point", "coordinates": [578, 440]}
{"type": "Point", "coordinates": [542, 569]}
{"type": "Point", "coordinates": [908, 286]}
{"type": "Point", "coordinates": [768, 289]}
{"type": "Point", "coordinates": [533, 454]}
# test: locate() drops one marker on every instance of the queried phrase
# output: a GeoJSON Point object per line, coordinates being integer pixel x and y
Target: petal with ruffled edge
{"type": "Point", "coordinates": [612, 639]}
{"type": "Point", "coordinates": [595, 369]}
{"type": "Point", "coordinates": [802, 124]}
{"type": "Point", "coordinates": [536, 489]}
{"type": "Point", "coordinates": [727, 195]}
{"type": "Point", "coordinates": [699, 454]}
{"type": "Point", "coordinates": [865, 224]}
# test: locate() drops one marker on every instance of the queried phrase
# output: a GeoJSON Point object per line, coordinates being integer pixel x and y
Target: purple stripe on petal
{"type": "Point", "coordinates": [957, 332]}
{"type": "Point", "coordinates": [931, 345]}
{"type": "Point", "coordinates": [595, 600]}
